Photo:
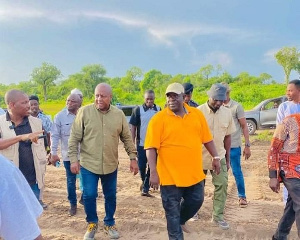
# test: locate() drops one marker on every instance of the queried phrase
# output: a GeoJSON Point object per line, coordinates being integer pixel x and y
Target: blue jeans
{"type": "Point", "coordinates": [143, 168]}
{"type": "Point", "coordinates": [180, 204]}
{"type": "Point", "coordinates": [235, 162]}
{"type": "Point", "coordinates": [71, 184]}
{"type": "Point", "coordinates": [291, 210]}
{"type": "Point", "coordinates": [36, 190]}
{"type": "Point", "coordinates": [90, 193]}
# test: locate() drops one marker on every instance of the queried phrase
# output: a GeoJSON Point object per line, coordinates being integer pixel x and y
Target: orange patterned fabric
{"type": "Point", "coordinates": [284, 153]}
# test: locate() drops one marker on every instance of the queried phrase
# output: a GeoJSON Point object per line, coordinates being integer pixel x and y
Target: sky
{"type": "Point", "coordinates": [173, 36]}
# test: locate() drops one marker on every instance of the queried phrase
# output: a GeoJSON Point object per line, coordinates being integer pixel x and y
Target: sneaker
{"type": "Point", "coordinates": [111, 231]}
{"type": "Point", "coordinates": [73, 210]}
{"type": "Point", "coordinates": [81, 199]}
{"type": "Point", "coordinates": [44, 206]}
{"type": "Point", "coordinates": [195, 217]}
{"type": "Point", "coordinates": [146, 194]}
{"type": "Point", "coordinates": [243, 202]}
{"type": "Point", "coordinates": [91, 231]}
{"type": "Point", "coordinates": [221, 223]}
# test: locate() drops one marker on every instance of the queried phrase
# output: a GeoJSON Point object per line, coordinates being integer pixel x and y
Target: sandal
{"type": "Point", "coordinates": [243, 202]}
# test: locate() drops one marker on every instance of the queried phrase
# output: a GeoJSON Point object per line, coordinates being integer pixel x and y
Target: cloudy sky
{"type": "Point", "coordinates": [173, 36]}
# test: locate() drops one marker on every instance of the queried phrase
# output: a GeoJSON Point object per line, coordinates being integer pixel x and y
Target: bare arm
{"type": "Point", "coordinates": [133, 132]}
{"type": "Point", "coordinates": [5, 143]}
{"type": "Point", "coordinates": [39, 238]}
{"type": "Point", "coordinates": [152, 160]}
{"type": "Point", "coordinates": [210, 146]}
{"type": "Point", "coordinates": [227, 145]}
{"type": "Point", "coordinates": [243, 123]}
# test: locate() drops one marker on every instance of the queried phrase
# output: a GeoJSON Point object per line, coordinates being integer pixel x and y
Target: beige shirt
{"type": "Point", "coordinates": [98, 134]}
{"type": "Point", "coordinates": [237, 112]}
{"type": "Point", "coordinates": [221, 124]}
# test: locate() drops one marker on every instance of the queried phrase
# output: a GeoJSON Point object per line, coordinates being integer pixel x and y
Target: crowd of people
{"type": "Point", "coordinates": [172, 148]}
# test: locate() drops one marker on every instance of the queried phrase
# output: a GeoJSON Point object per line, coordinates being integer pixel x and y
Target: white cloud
{"type": "Point", "coordinates": [161, 32]}
{"type": "Point", "coordinates": [269, 57]}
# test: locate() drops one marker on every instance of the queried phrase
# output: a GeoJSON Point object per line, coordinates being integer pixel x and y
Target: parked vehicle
{"type": "Point", "coordinates": [127, 110]}
{"type": "Point", "coordinates": [264, 114]}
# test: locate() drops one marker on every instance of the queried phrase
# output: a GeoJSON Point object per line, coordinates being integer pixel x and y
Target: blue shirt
{"type": "Point", "coordinates": [60, 131]}
{"type": "Point", "coordinates": [285, 109]}
{"type": "Point", "coordinates": [46, 121]}
{"type": "Point", "coordinates": [2, 111]}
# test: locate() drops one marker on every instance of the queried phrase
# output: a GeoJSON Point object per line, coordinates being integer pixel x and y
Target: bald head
{"type": "Point", "coordinates": [13, 96]}
{"type": "Point", "coordinates": [73, 103]}
{"type": "Point", "coordinates": [103, 96]}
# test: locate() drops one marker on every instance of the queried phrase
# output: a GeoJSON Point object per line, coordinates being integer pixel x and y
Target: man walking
{"type": "Point", "coordinates": [173, 146]}
{"type": "Point", "coordinates": [188, 93]}
{"type": "Point", "coordinates": [284, 166]}
{"type": "Point", "coordinates": [139, 120]}
{"type": "Point", "coordinates": [98, 128]}
{"type": "Point", "coordinates": [240, 123]}
{"type": "Point", "coordinates": [287, 108]}
{"type": "Point", "coordinates": [222, 126]}
{"type": "Point", "coordinates": [19, 139]}
{"type": "Point", "coordinates": [61, 132]}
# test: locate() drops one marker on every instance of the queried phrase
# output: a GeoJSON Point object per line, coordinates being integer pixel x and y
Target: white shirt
{"type": "Point", "coordinates": [19, 207]}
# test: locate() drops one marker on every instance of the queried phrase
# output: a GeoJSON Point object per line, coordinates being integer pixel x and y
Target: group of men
{"type": "Point", "coordinates": [176, 147]}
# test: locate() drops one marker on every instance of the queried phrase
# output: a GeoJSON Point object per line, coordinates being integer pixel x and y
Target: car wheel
{"type": "Point", "coordinates": [251, 126]}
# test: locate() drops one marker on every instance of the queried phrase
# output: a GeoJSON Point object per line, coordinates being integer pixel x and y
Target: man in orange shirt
{"type": "Point", "coordinates": [176, 161]}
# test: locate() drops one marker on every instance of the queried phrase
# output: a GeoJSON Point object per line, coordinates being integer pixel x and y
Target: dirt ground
{"type": "Point", "coordinates": [139, 217]}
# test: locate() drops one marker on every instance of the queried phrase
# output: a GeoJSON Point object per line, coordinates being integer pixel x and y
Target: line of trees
{"type": "Point", "coordinates": [46, 82]}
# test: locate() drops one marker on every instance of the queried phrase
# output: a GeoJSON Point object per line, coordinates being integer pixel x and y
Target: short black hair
{"type": "Point", "coordinates": [296, 82]}
{"type": "Point", "coordinates": [188, 88]}
{"type": "Point", "coordinates": [34, 97]}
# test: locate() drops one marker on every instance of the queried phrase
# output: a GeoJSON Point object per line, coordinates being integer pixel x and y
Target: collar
{"type": "Point", "coordinates": [24, 121]}
{"type": "Point", "coordinates": [147, 108]}
{"type": "Point", "coordinates": [109, 109]}
{"type": "Point", "coordinates": [228, 105]}
{"type": "Point", "coordinates": [186, 109]}
{"type": "Point", "coordinates": [210, 109]}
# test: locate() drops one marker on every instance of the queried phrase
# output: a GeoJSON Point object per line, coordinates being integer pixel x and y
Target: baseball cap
{"type": "Point", "coordinates": [175, 88]}
{"type": "Point", "coordinates": [217, 92]}
{"type": "Point", "coordinates": [188, 88]}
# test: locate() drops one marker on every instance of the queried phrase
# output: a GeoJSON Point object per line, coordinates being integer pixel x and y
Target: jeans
{"type": "Point", "coordinates": [180, 204]}
{"type": "Point", "coordinates": [291, 210]}
{"type": "Point", "coordinates": [144, 170]}
{"type": "Point", "coordinates": [71, 184]}
{"type": "Point", "coordinates": [90, 193]}
{"type": "Point", "coordinates": [36, 190]}
{"type": "Point", "coordinates": [220, 193]}
{"type": "Point", "coordinates": [235, 162]}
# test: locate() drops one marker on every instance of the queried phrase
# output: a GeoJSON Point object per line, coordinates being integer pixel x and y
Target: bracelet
{"type": "Point", "coordinates": [216, 157]}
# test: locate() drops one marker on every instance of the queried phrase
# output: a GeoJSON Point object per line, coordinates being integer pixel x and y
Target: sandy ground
{"type": "Point", "coordinates": [139, 217]}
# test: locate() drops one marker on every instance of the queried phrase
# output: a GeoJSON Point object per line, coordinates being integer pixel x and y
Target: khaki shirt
{"type": "Point", "coordinates": [221, 124]}
{"type": "Point", "coordinates": [98, 134]}
{"type": "Point", "coordinates": [237, 112]}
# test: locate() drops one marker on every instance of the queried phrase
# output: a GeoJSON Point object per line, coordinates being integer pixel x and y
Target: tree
{"type": "Point", "coordinates": [287, 57]}
{"type": "Point", "coordinates": [45, 76]}
{"type": "Point", "coordinates": [297, 67]}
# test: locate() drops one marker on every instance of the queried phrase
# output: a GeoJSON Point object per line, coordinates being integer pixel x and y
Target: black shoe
{"type": "Point", "coordinates": [73, 210]}
{"type": "Point", "coordinates": [146, 194]}
{"type": "Point", "coordinates": [44, 206]}
{"type": "Point", "coordinates": [81, 199]}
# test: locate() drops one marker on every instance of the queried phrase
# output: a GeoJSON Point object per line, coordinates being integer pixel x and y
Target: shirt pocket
{"type": "Point", "coordinates": [66, 129]}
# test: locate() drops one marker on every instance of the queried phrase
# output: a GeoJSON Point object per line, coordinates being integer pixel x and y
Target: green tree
{"type": "Point", "coordinates": [287, 57]}
{"type": "Point", "coordinates": [45, 76]}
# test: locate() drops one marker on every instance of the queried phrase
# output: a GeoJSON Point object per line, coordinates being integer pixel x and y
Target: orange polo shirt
{"type": "Point", "coordinates": [179, 145]}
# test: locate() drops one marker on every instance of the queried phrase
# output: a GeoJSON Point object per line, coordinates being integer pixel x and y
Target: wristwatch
{"type": "Point", "coordinates": [217, 157]}
{"type": "Point", "coordinates": [247, 145]}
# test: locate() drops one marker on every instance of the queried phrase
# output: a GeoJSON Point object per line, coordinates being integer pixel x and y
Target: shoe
{"type": "Point", "coordinates": [91, 231]}
{"type": "Point", "coordinates": [243, 202]}
{"type": "Point", "coordinates": [73, 210]}
{"type": "Point", "coordinates": [195, 217]}
{"type": "Point", "coordinates": [146, 194]}
{"type": "Point", "coordinates": [44, 206]}
{"type": "Point", "coordinates": [111, 231]}
{"type": "Point", "coordinates": [221, 223]}
{"type": "Point", "coordinates": [81, 199]}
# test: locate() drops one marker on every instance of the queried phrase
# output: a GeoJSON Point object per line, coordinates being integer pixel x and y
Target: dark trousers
{"type": "Point", "coordinates": [143, 168]}
{"type": "Point", "coordinates": [71, 184]}
{"type": "Point", "coordinates": [180, 204]}
{"type": "Point", "coordinates": [90, 193]}
{"type": "Point", "coordinates": [292, 209]}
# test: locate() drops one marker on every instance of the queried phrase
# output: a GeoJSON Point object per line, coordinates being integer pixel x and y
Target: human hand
{"type": "Point", "coordinates": [274, 185]}
{"type": "Point", "coordinates": [75, 167]}
{"type": "Point", "coordinates": [33, 137]}
{"type": "Point", "coordinates": [228, 164]}
{"type": "Point", "coordinates": [154, 180]}
{"type": "Point", "coordinates": [54, 158]}
{"type": "Point", "coordinates": [216, 166]}
{"type": "Point", "coordinates": [134, 167]}
{"type": "Point", "coordinates": [246, 153]}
